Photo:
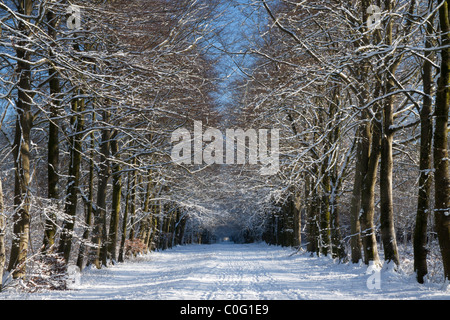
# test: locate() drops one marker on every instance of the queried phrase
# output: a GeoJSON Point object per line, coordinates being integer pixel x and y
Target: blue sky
{"type": "Point", "coordinates": [235, 33]}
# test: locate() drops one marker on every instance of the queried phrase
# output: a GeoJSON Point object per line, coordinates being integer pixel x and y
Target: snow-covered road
{"type": "Point", "coordinates": [228, 271]}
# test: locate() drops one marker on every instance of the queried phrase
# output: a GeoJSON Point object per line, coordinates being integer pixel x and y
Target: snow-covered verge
{"type": "Point", "coordinates": [228, 271]}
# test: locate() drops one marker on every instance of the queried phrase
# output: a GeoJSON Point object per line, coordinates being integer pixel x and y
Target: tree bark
{"type": "Point", "coordinates": [387, 227]}
{"type": "Point", "coordinates": [89, 205]}
{"type": "Point", "coordinates": [125, 221]}
{"type": "Point", "coordinates": [144, 230]}
{"type": "Point", "coordinates": [21, 152]}
{"type": "Point", "coordinates": [154, 228]}
{"type": "Point", "coordinates": [325, 214]}
{"type": "Point", "coordinates": [368, 199]}
{"type": "Point", "coordinates": [363, 146]}
{"type": "Point", "coordinates": [440, 147]}
{"type": "Point", "coordinates": [133, 202]}
{"type": "Point", "coordinates": [2, 235]}
{"type": "Point", "coordinates": [99, 233]}
{"type": "Point", "coordinates": [362, 158]}
{"type": "Point", "coordinates": [338, 247]}
{"type": "Point", "coordinates": [77, 122]}
{"type": "Point", "coordinates": [425, 163]}
{"type": "Point", "coordinates": [53, 142]}
{"type": "Point", "coordinates": [297, 207]}
{"type": "Point", "coordinates": [310, 194]}
{"type": "Point", "coordinates": [116, 198]}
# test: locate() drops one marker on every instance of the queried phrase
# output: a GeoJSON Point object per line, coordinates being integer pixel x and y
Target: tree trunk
{"type": "Point", "coordinates": [425, 180]}
{"type": "Point", "coordinates": [116, 196]}
{"type": "Point", "coordinates": [362, 158]}
{"type": "Point", "coordinates": [325, 214]}
{"type": "Point", "coordinates": [2, 235]}
{"type": "Point", "coordinates": [162, 226]}
{"type": "Point", "coordinates": [53, 141]}
{"type": "Point", "coordinates": [338, 247]}
{"type": "Point", "coordinates": [440, 148]}
{"type": "Point", "coordinates": [99, 233]}
{"type": "Point", "coordinates": [168, 217]}
{"type": "Point", "coordinates": [125, 221]}
{"type": "Point", "coordinates": [362, 147]}
{"type": "Point", "coordinates": [89, 205]}
{"type": "Point", "coordinates": [77, 122]}
{"type": "Point", "coordinates": [154, 228]}
{"type": "Point", "coordinates": [144, 230]}
{"type": "Point", "coordinates": [21, 152]}
{"type": "Point", "coordinates": [297, 221]}
{"type": "Point", "coordinates": [368, 200]}
{"type": "Point", "coordinates": [387, 227]}
{"type": "Point", "coordinates": [133, 201]}
{"type": "Point", "coordinates": [310, 194]}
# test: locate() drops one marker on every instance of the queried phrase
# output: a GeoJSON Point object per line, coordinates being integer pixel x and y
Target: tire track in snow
{"type": "Point", "coordinates": [235, 272]}
{"type": "Point", "coordinates": [228, 275]}
{"type": "Point", "coordinates": [241, 274]}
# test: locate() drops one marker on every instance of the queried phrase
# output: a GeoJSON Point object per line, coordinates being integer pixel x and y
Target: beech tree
{"type": "Point", "coordinates": [440, 147]}
{"type": "Point", "coordinates": [375, 57]}
{"type": "Point", "coordinates": [92, 91]}
{"type": "Point", "coordinates": [2, 234]}
{"type": "Point", "coordinates": [425, 179]}
{"type": "Point", "coordinates": [82, 105]}
{"type": "Point", "coordinates": [21, 145]}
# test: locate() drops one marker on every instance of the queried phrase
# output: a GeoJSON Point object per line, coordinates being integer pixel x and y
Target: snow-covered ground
{"type": "Point", "coordinates": [228, 271]}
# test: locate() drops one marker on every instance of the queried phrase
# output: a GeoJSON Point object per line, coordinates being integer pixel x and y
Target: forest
{"type": "Point", "coordinates": [92, 92]}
